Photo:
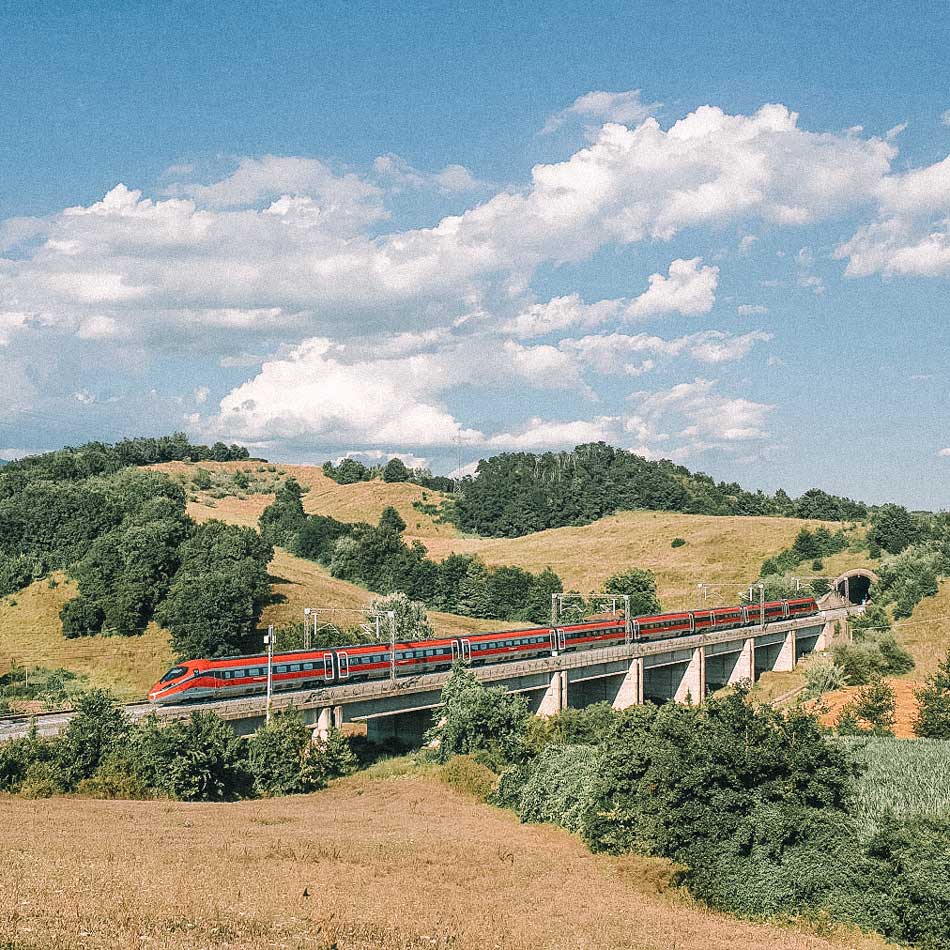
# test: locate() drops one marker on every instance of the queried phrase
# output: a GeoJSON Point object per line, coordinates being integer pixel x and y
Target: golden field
{"type": "Point", "coordinates": [377, 862]}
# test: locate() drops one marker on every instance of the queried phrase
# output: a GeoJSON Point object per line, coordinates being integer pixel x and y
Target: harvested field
{"type": "Point", "coordinates": [399, 862]}
{"type": "Point", "coordinates": [832, 703]}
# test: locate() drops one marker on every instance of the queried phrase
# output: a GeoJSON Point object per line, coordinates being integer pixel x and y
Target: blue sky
{"type": "Point", "coordinates": [711, 232]}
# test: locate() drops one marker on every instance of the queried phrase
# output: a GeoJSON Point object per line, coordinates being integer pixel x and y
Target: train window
{"type": "Point", "coordinates": [174, 673]}
{"type": "Point", "coordinates": [281, 669]}
{"type": "Point", "coordinates": [253, 671]}
{"type": "Point", "coordinates": [308, 666]}
{"type": "Point", "coordinates": [294, 667]}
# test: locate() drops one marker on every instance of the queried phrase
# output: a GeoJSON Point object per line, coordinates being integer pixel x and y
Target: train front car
{"type": "Point", "coordinates": [177, 684]}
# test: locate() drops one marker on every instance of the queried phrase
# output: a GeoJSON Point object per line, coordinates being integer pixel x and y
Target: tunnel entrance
{"type": "Point", "coordinates": [855, 587]}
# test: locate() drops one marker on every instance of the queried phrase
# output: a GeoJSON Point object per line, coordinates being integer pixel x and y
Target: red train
{"type": "Point", "coordinates": [304, 669]}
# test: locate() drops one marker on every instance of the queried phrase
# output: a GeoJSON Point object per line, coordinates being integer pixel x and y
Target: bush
{"type": "Point", "coordinates": [677, 542]}
{"type": "Point", "coordinates": [465, 774]}
{"type": "Point", "coordinates": [557, 787]}
{"type": "Point", "coordinates": [206, 760]}
{"type": "Point", "coordinates": [872, 710]}
{"type": "Point", "coordinates": [335, 755]}
{"type": "Point", "coordinates": [475, 720]}
{"type": "Point", "coordinates": [281, 757]}
{"type": "Point", "coordinates": [97, 729]}
{"type": "Point", "coordinates": [822, 676]}
{"type": "Point", "coordinates": [933, 714]}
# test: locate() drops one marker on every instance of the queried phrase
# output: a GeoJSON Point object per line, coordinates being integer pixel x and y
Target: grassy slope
{"type": "Point", "coordinates": [31, 635]}
{"type": "Point", "coordinates": [399, 862]}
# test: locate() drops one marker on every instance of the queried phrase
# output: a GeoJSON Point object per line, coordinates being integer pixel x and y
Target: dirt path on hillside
{"type": "Point", "coordinates": [371, 863]}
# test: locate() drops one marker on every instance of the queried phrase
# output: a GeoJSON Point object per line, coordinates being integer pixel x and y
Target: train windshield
{"type": "Point", "coordinates": [174, 673]}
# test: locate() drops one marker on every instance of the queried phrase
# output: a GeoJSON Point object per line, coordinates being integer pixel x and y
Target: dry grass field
{"type": "Point", "coordinates": [926, 632]}
{"type": "Point", "coordinates": [373, 863]}
{"type": "Point", "coordinates": [723, 551]}
{"type": "Point", "coordinates": [31, 635]}
{"type": "Point", "coordinates": [905, 713]}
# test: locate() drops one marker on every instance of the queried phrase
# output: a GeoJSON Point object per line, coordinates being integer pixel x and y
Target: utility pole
{"type": "Point", "coordinates": [762, 605]}
{"type": "Point", "coordinates": [269, 643]}
{"type": "Point", "coordinates": [392, 645]}
{"type": "Point", "coordinates": [554, 610]}
{"type": "Point", "coordinates": [306, 627]}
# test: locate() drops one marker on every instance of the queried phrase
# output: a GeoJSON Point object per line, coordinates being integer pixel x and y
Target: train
{"type": "Point", "coordinates": [234, 676]}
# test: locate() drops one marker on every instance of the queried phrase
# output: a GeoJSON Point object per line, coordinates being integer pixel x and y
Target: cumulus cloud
{"type": "Point", "coordinates": [945, 118]}
{"type": "Point", "coordinates": [688, 289]}
{"type": "Point", "coordinates": [704, 417]}
{"type": "Point", "coordinates": [453, 179]}
{"type": "Point", "coordinates": [540, 434]}
{"type": "Point", "coordinates": [751, 309]}
{"type": "Point", "coordinates": [944, 453]}
{"type": "Point", "coordinates": [624, 107]}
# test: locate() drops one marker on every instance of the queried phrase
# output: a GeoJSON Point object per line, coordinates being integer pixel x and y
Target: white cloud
{"type": "Point", "coordinates": [945, 118]}
{"type": "Point", "coordinates": [259, 179]}
{"type": "Point", "coordinates": [689, 289]}
{"type": "Point", "coordinates": [751, 309]}
{"type": "Point", "coordinates": [453, 179]}
{"type": "Point", "coordinates": [542, 434]}
{"type": "Point", "coordinates": [624, 107]}
{"type": "Point", "coordinates": [708, 418]}
{"type": "Point", "coordinates": [201, 394]}
{"type": "Point", "coordinates": [944, 453]}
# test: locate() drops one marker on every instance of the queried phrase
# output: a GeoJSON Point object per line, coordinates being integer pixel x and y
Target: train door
{"type": "Point", "coordinates": [328, 667]}
{"type": "Point", "coordinates": [344, 660]}
{"type": "Point", "coordinates": [692, 622]}
{"type": "Point", "coordinates": [462, 650]}
{"type": "Point", "coordinates": [786, 613]}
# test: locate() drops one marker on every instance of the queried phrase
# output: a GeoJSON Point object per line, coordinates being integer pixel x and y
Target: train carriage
{"type": "Point", "coordinates": [306, 669]}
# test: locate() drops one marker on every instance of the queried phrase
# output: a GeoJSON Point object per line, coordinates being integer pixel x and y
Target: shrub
{"type": "Point", "coordinates": [487, 723]}
{"type": "Point", "coordinates": [467, 775]}
{"type": "Point", "coordinates": [557, 786]}
{"type": "Point", "coordinates": [677, 542]}
{"type": "Point", "coordinates": [335, 757]}
{"type": "Point", "coordinates": [872, 710]}
{"type": "Point", "coordinates": [822, 676]}
{"type": "Point", "coordinates": [97, 729]}
{"type": "Point", "coordinates": [205, 760]}
{"type": "Point", "coordinates": [281, 757]}
{"type": "Point", "coordinates": [641, 585]}
{"type": "Point", "coordinates": [933, 714]}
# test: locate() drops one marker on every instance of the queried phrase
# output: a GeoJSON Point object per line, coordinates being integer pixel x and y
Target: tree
{"type": "Point", "coordinates": [641, 585]}
{"type": "Point", "coordinates": [97, 728]}
{"type": "Point", "coordinates": [933, 714]}
{"type": "Point", "coordinates": [282, 758]}
{"type": "Point", "coordinates": [874, 705]}
{"type": "Point", "coordinates": [487, 723]}
{"type": "Point", "coordinates": [206, 760]}
{"type": "Point", "coordinates": [410, 617]}
{"type": "Point", "coordinates": [281, 521]}
{"type": "Point", "coordinates": [391, 520]}
{"type": "Point", "coordinates": [395, 471]}
{"type": "Point", "coordinates": [317, 536]}
{"type": "Point", "coordinates": [893, 528]}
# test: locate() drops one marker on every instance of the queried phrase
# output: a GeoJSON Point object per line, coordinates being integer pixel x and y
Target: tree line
{"type": "Point", "coordinates": [102, 753]}
{"type": "Point", "coordinates": [517, 493]}
{"type": "Point", "coordinates": [350, 471]}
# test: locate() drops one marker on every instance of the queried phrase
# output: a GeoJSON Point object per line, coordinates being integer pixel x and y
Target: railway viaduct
{"type": "Point", "coordinates": [685, 669]}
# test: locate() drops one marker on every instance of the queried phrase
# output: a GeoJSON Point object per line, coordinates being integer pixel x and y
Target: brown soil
{"type": "Point", "coordinates": [905, 715]}
{"type": "Point", "coordinates": [399, 862]}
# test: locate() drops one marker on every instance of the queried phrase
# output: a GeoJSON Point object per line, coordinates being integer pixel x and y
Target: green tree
{"type": "Point", "coordinates": [875, 705]}
{"type": "Point", "coordinates": [475, 720]}
{"type": "Point", "coordinates": [933, 698]}
{"type": "Point", "coordinates": [641, 585]}
{"type": "Point", "coordinates": [282, 758]}
{"type": "Point", "coordinates": [893, 528]}
{"type": "Point", "coordinates": [96, 729]}
{"type": "Point", "coordinates": [391, 520]}
{"type": "Point", "coordinates": [281, 520]}
{"type": "Point", "coordinates": [395, 471]}
{"type": "Point", "coordinates": [206, 761]}
{"type": "Point", "coordinates": [410, 617]}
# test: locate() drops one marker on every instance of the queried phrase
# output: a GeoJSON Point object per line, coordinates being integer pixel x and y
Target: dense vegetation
{"type": "Point", "coordinates": [123, 534]}
{"type": "Point", "coordinates": [763, 813]}
{"type": "Point", "coordinates": [350, 471]}
{"type": "Point", "coordinates": [104, 754]}
{"type": "Point", "coordinates": [516, 493]}
{"type": "Point", "coordinates": [377, 557]}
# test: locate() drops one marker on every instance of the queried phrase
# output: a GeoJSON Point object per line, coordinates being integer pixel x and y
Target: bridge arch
{"type": "Point", "coordinates": [854, 585]}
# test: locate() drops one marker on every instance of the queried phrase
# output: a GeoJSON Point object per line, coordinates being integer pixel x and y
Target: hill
{"type": "Point", "coordinates": [399, 862]}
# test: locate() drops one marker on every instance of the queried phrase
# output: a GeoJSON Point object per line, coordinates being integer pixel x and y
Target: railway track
{"type": "Point", "coordinates": [52, 723]}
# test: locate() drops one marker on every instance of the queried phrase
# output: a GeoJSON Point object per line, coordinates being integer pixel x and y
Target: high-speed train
{"type": "Point", "coordinates": [304, 669]}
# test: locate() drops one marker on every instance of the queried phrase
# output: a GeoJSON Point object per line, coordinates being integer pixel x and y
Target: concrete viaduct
{"type": "Point", "coordinates": [685, 669]}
